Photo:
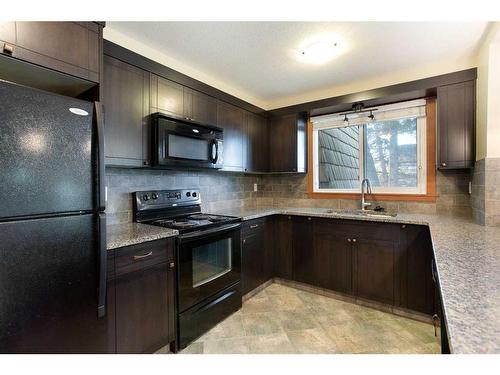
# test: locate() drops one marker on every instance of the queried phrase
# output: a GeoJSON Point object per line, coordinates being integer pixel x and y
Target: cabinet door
{"type": "Point", "coordinates": [283, 247]}
{"type": "Point", "coordinates": [332, 252]}
{"type": "Point", "coordinates": [373, 269]}
{"type": "Point", "coordinates": [70, 47]}
{"type": "Point", "coordinates": [200, 107]}
{"type": "Point", "coordinates": [126, 96]}
{"type": "Point", "coordinates": [303, 251]}
{"type": "Point", "coordinates": [7, 33]}
{"type": "Point", "coordinates": [417, 284]}
{"type": "Point", "coordinates": [257, 143]}
{"type": "Point", "coordinates": [252, 261]}
{"type": "Point", "coordinates": [167, 96]}
{"type": "Point", "coordinates": [456, 125]}
{"type": "Point", "coordinates": [233, 120]}
{"type": "Point", "coordinates": [144, 310]}
{"type": "Point", "coordinates": [283, 144]}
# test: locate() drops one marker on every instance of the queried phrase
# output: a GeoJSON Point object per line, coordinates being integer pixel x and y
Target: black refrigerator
{"type": "Point", "coordinates": [52, 224]}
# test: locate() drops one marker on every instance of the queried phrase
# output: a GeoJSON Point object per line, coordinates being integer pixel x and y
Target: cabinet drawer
{"type": "Point", "coordinates": [253, 226]}
{"type": "Point", "coordinates": [357, 229]}
{"type": "Point", "coordinates": [133, 258]}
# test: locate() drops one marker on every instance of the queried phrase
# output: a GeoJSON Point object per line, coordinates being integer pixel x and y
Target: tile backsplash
{"type": "Point", "coordinates": [291, 190]}
{"type": "Point", "coordinates": [220, 190]}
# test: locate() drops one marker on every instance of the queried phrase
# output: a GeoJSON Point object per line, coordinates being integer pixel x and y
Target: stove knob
{"type": "Point", "coordinates": [154, 196]}
{"type": "Point", "coordinates": [145, 197]}
{"type": "Point", "coordinates": [194, 194]}
{"type": "Point", "coordinates": [188, 194]}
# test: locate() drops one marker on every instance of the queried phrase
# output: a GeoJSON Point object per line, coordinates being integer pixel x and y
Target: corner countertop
{"type": "Point", "coordinates": [119, 235]}
{"type": "Point", "coordinates": [468, 264]}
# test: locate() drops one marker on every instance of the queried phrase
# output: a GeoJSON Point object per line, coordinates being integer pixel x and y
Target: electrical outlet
{"type": "Point", "coordinates": [255, 187]}
{"type": "Point", "coordinates": [470, 187]}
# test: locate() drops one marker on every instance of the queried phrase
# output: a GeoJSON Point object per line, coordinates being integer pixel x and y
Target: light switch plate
{"type": "Point", "coordinates": [255, 187]}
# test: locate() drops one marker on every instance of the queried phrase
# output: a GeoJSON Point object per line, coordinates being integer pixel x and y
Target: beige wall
{"type": "Point", "coordinates": [488, 95]}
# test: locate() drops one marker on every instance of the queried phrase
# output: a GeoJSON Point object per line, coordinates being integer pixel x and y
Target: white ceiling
{"type": "Point", "coordinates": [258, 58]}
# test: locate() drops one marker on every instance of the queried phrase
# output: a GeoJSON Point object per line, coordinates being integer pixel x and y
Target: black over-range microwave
{"type": "Point", "coordinates": [180, 143]}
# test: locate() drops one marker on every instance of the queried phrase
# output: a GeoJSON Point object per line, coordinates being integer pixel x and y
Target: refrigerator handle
{"type": "Point", "coordinates": [101, 295]}
{"type": "Point", "coordinates": [100, 156]}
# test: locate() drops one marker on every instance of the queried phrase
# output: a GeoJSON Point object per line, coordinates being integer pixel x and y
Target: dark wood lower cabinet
{"type": "Point", "coordinates": [283, 256]}
{"type": "Point", "coordinates": [142, 310]}
{"type": "Point", "coordinates": [373, 269]}
{"type": "Point", "coordinates": [332, 254]}
{"type": "Point", "coordinates": [144, 297]}
{"type": "Point", "coordinates": [417, 288]}
{"type": "Point", "coordinates": [303, 251]}
{"type": "Point", "coordinates": [387, 263]}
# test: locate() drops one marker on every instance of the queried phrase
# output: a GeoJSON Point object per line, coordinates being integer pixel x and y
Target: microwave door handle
{"type": "Point", "coordinates": [214, 157]}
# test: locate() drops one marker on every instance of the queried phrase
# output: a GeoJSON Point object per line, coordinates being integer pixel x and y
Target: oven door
{"type": "Point", "coordinates": [209, 261]}
{"type": "Point", "coordinates": [183, 144]}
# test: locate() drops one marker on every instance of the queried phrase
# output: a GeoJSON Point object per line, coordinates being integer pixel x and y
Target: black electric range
{"type": "Point", "coordinates": [176, 209]}
{"type": "Point", "coordinates": [208, 258]}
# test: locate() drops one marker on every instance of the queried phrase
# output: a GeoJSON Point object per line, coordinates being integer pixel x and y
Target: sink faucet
{"type": "Point", "coordinates": [365, 204]}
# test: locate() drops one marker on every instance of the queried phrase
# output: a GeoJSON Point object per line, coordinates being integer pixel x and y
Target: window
{"type": "Point", "coordinates": [389, 150]}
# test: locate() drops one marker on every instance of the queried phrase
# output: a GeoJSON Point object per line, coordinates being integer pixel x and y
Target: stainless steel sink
{"type": "Point", "coordinates": [365, 213]}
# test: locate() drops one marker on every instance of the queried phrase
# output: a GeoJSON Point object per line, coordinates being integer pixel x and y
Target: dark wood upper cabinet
{"type": "Point", "coordinates": [257, 144]}
{"type": "Point", "coordinates": [167, 96]}
{"type": "Point", "coordinates": [200, 107]}
{"type": "Point", "coordinates": [233, 120]}
{"type": "Point", "coordinates": [126, 114]}
{"type": "Point", "coordinates": [456, 112]}
{"type": "Point", "coordinates": [145, 310]}
{"type": "Point", "coordinates": [288, 143]}
{"type": "Point", "coordinates": [74, 48]}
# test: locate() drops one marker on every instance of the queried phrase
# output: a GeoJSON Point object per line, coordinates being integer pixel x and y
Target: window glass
{"type": "Point", "coordinates": [338, 155]}
{"type": "Point", "coordinates": [391, 153]}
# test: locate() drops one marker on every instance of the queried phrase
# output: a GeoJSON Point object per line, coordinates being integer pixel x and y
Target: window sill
{"type": "Point", "coordinates": [376, 197]}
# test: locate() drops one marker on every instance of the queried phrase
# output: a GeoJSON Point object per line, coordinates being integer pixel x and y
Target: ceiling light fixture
{"type": "Point", "coordinates": [320, 52]}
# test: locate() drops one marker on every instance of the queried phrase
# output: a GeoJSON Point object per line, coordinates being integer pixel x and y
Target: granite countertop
{"type": "Point", "coordinates": [119, 235]}
{"type": "Point", "coordinates": [468, 264]}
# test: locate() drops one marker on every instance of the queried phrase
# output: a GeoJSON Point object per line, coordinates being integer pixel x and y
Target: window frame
{"type": "Point", "coordinates": [426, 154]}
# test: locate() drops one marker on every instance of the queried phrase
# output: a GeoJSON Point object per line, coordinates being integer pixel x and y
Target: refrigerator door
{"type": "Point", "coordinates": [48, 153]}
{"type": "Point", "coordinates": [50, 284]}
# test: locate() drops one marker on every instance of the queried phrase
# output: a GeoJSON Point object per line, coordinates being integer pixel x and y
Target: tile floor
{"type": "Point", "coordinates": [281, 319]}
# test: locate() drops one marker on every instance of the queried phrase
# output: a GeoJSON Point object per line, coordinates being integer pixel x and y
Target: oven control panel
{"type": "Point", "coordinates": [144, 200]}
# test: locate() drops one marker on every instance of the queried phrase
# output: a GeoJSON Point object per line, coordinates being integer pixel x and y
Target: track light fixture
{"type": "Point", "coordinates": [346, 120]}
{"type": "Point", "coordinates": [371, 117]}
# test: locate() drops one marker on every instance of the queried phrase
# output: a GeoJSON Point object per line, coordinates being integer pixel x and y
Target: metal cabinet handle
{"type": "Point", "coordinates": [244, 241]}
{"type": "Point", "coordinates": [171, 265]}
{"type": "Point", "coordinates": [443, 164]}
{"type": "Point", "coordinates": [348, 240]}
{"type": "Point", "coordinates": [8, 48]}
{"type": "Point", "coordinates": [138, 257]}
{"type": "Point", "coordinates": [403, 226]}
{"type": "Point", "coordinates": [309, 218]}
{"type": "Point", "coordinates": [353, 240]}
{"type": "Point", "coordinates": [254, 226]}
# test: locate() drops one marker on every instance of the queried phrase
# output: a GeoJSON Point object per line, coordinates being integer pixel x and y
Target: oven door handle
{"type": "Point", "coordinates": [195, 235]}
